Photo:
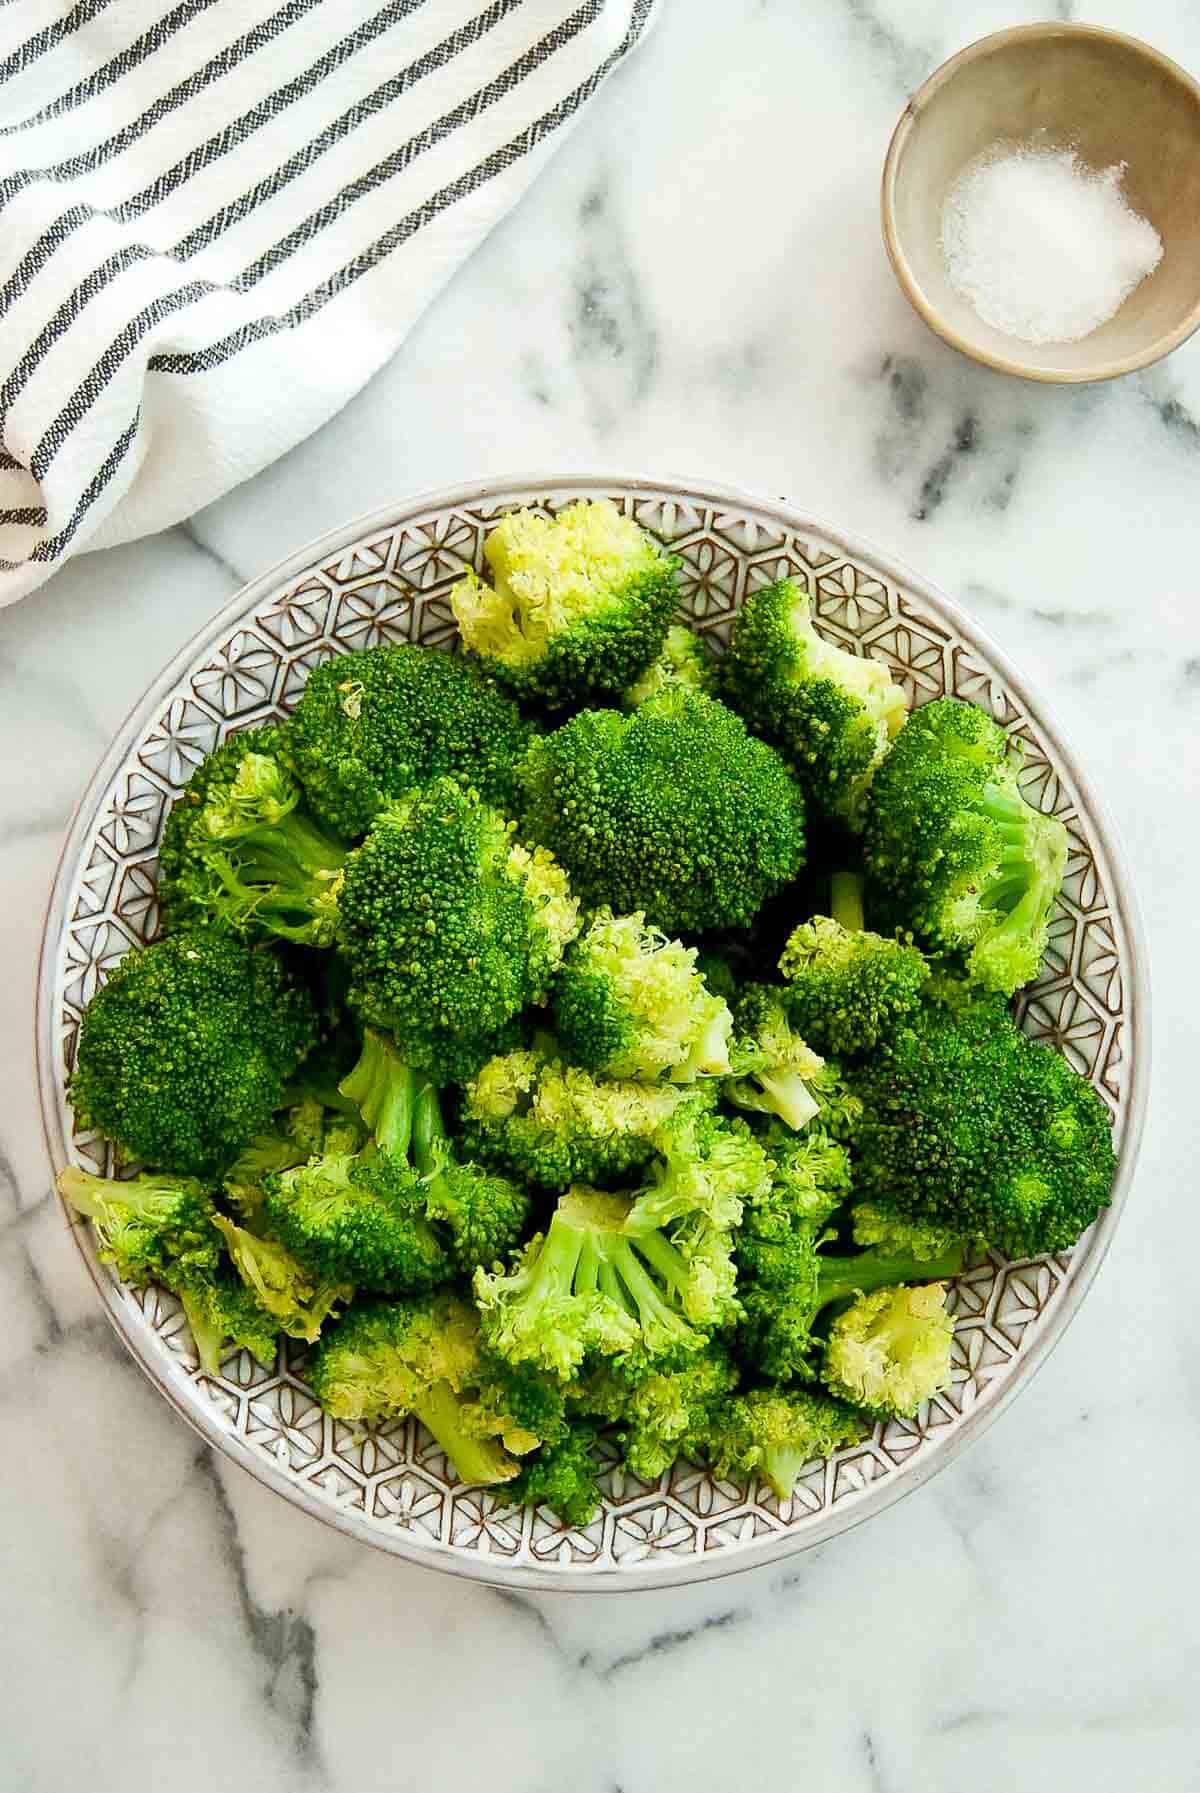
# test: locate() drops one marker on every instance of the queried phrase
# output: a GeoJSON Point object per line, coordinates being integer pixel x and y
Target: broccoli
{"type": "Point", "coordinates": [563, 1477]}
{"type": "Point", "coordinates": [450, 928]}
{"type": "Point", "coordinates": [299, 1302]}
{"type": "Point", "coordinates": [579, 604]}
{"type": "Point", "coordinates": [845, 986]}
{"type": "Point", "coordinates": [872, 1223]}
{"type": "Point", "coordinates": [630, 1003]}
{"type": "Point", "coordinates": [420, 1355]}
{"type": "Point", "coordinates": [708, 1167]}
{"type": "Point", "coordinates": [660, 1413]}
{"type": "Point", "coordinates": [152, 1228]}
{"type": "Point", "coordinates": [184, 1053]}
{"type": "Point", "coordinates": [972, 1127]}
{"type": "Point", "coordinates": [830, 711]}
{"type": "Point", "coordinates": [775, 1435]}
{"type": "Point", "coordinates": [371, 727]}
{"type": "Point", "coordinates": [674, 812]}
{"type": "Point", "coordinates": [240, 850]}
{"type": "Point", "coordinates": [809, 1181]}
{"type": "Point", "coordinates": [223, 1313]}
{"type": "Point", "coordinates": [773, 1067]}
{"type": "Point", "coordinates": [684, 660]}
{"type": "Point", "coordinates": [554, 1124]}
{"type": "Point", "coordinates": [954, 851]}
{"type": "Point", "coordinates": [590, 1285]}
{"type": "Point", "coordinates": [890, 1350]}
{"type": "Point", "coordinates": [482, 1215]}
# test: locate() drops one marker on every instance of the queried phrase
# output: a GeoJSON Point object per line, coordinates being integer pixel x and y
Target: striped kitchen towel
{"type": "Point", "coordinates": [218, 218]}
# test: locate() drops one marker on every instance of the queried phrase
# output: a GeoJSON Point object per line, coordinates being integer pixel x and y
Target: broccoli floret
{"type": "Point", "coordinates": [773, 1067]}
{"type": "Point", "coordinates": [152, 1228]}
{"type": "Point", "coordinates": [579, 604]}
{"type": "Point", "coordinates": [553, 1124]}
{"type": "Point", "coordinates": [970, 1126]}
{"type": "Point", "coordinates": [684, 660]}
{"type": "Point", "coordinates": [847, 986]}
{"type": "Point", "coordinates": [563, 1477]}
{"type": "Point", "coordinates": [775, 1435]}
{"type": "Point", "coordinates": [873, 1223]}
{"type": "Point", "coordinates": [954, 851]}
{"type": "Point", "coordinates": [481, 1214]}
{"type": "Point", "coordinates": [299, 1302]}
{"type": "Point", "coordinates": [450, 927]}
{"type": "Point", "coordinates": [184, 1053]}
{"type": "Point", "coordinates": [890, 1351]}
{"type": "Point", "coordinates": [630, 1003]}
{"type": "Point", "coordinates": [241, 851]}
{"type": "Point", "coordinates": [421, 1355]}
{"type": "Point", "coordinates": [809, 1181]}
{"type": "Point", "coordinates": [590, 1285]}
{"type": "Point", "coordinates": [830, 711]}
{"type": "Point", "coordinates": [224, 1315]}
{"type": "Point", "coordinates": [371, 727]}
{"type": "Point", "coordinates": [660, 1414]}
{"type": "Point", "coordinates": [708, 1167]}
{"type": "Point", "coordinates": [673, 812]}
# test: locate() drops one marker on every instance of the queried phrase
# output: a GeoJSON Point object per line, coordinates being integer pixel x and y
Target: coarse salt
{"type": "Point", "coordinates": [1044, 248]}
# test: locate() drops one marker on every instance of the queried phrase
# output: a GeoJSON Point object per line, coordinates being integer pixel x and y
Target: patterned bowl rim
{"type": "Point", "coordinates": [707, 1565]}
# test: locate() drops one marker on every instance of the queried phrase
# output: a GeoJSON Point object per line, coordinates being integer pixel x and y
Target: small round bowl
{"type": "Point", "coordinates": [1109, 98]}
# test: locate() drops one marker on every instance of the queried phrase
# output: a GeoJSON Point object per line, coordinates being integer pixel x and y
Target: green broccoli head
{"type": "Point", "coordinates": [420, 1355]}
{"type": "Point", "coordinates": [151, 1228]}
{"type": "Point", "coordinates": [972, 1127]}
{"type": "Point", "coordinates": [240, 851]}
{"type": "Point", "coordinates": [849, 987]}
{"type": "Point", "coordinates": [684, 660]}
{"type": "Point", "coordinates": [450, 928]}
{"type": "Point", "coordinates": [299, 1302]}
{"type": "Point", "coordinates": [358, 1219]}
{"type": "Point", "coordinates": [773, 1066]}
{"type": "Point", "coordinates": [707, 1168]}
{"type": "Point", "coordinates": [562, 1477]}
{"type": "Point", "coordinates": [776, 1435]}
{"type": "Point", "coordinates": [832, 712]}
{"type": "Point", "coordinates": [224, 1315]}
{"type": "Point", "coordinates": [809, 1180]}
{"type": "Point", "coordinates": [481, 1215]}
{"type": "Point", "coordinates": [553, 1124]}
{"type": "Point", "coordinates": [184, 1053]}
{"type": "Point", "coordinates": [954, 851]}
{"type": "Point", "coordinates": [889, 1351]}
{"type": "Point", "coordinates": [579, 604]}
{"type": "Point", "coordinates": [673, 812]}
{"type": "Point", "coordinates": [874, 1223]}
{"type": "Point", "coordinates": [371, 727]}
{"type": "Point", "coordinates": [630, 1003]}
{"type": "Point", "coordinates": [589, 1285]}
{"type": "Point", "coordinates": [660, 1413]}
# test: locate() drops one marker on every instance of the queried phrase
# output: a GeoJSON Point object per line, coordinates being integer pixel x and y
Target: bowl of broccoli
{"type": "Point", "coordinates": [610, 1051]}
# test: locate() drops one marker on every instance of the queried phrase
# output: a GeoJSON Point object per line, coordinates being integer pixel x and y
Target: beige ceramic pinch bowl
{"type": "Point", "coordinates": [1106, 96]}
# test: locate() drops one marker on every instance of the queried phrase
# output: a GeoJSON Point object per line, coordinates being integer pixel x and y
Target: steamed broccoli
{"type": "Point", "coordinates": [830, 711]}
{"type": "Point", "coordinates": [421, 1355]}
{"type": "Point", "coordinates": [184, 1053]}
{"type": "Point", "coordinates": [847, 986]}
{"type": "Point", "coordinates": [684, 660]}
{"type": "Point", "coordinates": [707, 1167]}
{"type": "Point", "coordinates": [578, 604]}
{"type": "Point", "coordinates": [630, 1003]}
{"type": "Point", "coordinates": [299, 1302]}
{"type": "Point", "coordinates": [151, 1228]}
{"type": "Point", "coordinates": [659, 1413]}
{"type": "Point", "coordinates": [554, 1124]}
{"type": "Point", "coordinates": [775, 1435]}
{"type": "Point", "coordinates": [972, 1127]}
{"type": "Point", "coordinates": [673, 812]}
{"type": "Point", "coordinates": [372, 726]}
{"type": "Point", "coordinates": [890, 1350]}
{"type": "Point", "coordinates": [591, 1285]}
{"type": "Point", "coordinates": [224, 1315]}
{"type": "Point", "coordinates": [772, 1066]}
{"type": "Point", "coordinates": [563, 1477]}
{"type": "Point", "coordinates": [450, 928]}
{"type": "Point", "coordinates": [241, 851]}
{"type": "Point", "coordinates": [481, 1215]}
{"type": "Point", "coordinates": [873, 1223]}
{"type": "Point", "coordinates": [954, 851]}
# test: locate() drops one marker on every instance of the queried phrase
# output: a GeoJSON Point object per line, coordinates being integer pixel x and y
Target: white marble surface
{"type": "Point", "coordinates": [696, 284]}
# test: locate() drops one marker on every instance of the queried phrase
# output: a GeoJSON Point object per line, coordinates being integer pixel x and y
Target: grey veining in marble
{"type": "Point", "coordinates": [697, 284]}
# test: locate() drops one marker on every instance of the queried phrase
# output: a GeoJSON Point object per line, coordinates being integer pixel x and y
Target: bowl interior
{"type": "Point", "coordinates": [1113, 101]}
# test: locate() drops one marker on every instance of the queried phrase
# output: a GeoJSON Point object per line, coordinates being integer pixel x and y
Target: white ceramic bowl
{"type": "Point", "coordinates": [385, 578]}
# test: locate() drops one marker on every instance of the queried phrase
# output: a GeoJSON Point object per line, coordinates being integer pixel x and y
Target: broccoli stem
{"type": "Point", "coordinates": [781, 1465]}
{"type": "Point", "coordinates": [790, 1097]}
{"type": "Point", "coordinates": [383, 1087]}
{"type": "Point", "coordinates": [846, 901]}
{"type": "Point", "coordinates": [480, 1460]}
{"type": "Point", "coordinates": [83, 1190]}
{"type": "Point", "coordinates": [207, 1336]}
{"type": "Point", "coordinates": [843, 1279]}
{"type": "Point", "coordinates": [428, 1133]}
